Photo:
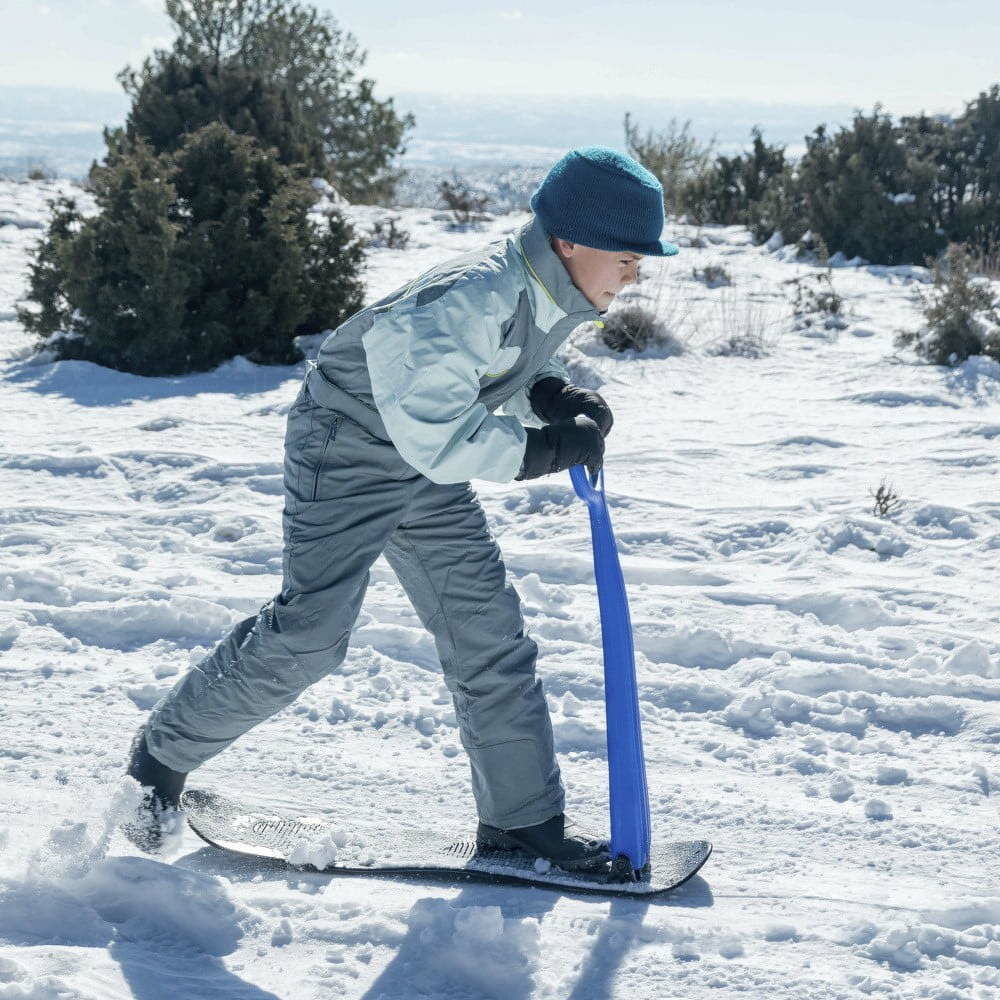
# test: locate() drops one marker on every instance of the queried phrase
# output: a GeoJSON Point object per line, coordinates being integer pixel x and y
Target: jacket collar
{"type": "Point", "coordinates": [549, 271]}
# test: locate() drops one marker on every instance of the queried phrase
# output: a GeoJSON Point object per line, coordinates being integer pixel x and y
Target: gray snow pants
{"type": "Point", "coordinates": [350, 496]}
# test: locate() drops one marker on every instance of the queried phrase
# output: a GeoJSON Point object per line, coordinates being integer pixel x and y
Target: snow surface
{"type": "Point", "coordinates": [820, 687]}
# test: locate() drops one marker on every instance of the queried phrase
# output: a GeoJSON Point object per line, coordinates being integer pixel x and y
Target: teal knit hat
{"type": "Point", "coordinates": [603, 199]}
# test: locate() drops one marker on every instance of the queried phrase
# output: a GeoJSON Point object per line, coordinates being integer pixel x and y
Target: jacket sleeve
{"type": "Point", "coordinates": [519, 405]}
{"type": "Point", "coordinates": [425, 360]}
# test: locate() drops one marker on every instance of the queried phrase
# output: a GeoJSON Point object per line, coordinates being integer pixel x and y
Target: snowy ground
{"type": "Point", "coordinates": [820, 687]}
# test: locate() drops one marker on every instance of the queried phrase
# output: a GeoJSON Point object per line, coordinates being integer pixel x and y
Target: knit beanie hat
{"type": "Point", "coordinates": [603, 199]}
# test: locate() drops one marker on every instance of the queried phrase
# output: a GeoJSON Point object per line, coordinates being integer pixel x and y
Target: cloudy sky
{"type": "Point", "coordinates": [911, 56]}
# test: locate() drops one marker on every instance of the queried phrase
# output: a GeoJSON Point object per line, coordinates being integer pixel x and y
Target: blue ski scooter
{"type": "Point", "coordinates": [629, 797]}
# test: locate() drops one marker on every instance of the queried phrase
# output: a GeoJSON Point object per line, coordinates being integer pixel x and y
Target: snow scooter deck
{"type": "Point", "coordinates": [315, 844]}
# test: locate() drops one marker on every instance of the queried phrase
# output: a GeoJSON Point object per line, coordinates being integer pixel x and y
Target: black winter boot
{"type": "Point", "coordinates": [162, 787]}
{"type": "Point", "coordinates": [558, 840]}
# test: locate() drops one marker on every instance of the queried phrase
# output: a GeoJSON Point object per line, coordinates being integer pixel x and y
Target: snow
{"type": "Point", "coordinates": [878, 809]}
{"type": "Point", "coordinates": [819, 686]}
{"type": "Point", "coordinates": [333, 845]}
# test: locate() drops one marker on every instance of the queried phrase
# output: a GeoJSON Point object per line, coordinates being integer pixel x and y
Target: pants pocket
{"type": "Point", "coordinates": [310, 438]}
{"type": "Point", "coordinates": [328, 440]}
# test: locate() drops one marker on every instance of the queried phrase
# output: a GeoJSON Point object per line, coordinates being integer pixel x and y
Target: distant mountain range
{"type": "Point", "coordinates": [59, 129]}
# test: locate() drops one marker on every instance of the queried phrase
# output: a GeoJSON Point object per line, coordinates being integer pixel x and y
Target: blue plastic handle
{"type": "Point", "coordinates": [629, 798]}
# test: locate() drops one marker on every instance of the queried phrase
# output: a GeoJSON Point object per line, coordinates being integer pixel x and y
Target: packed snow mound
{"type": "Point", "coordinates": [819, 680]}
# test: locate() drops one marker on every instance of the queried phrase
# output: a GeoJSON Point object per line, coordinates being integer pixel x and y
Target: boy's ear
{"type": "Point", "coordinates": [564, 248]}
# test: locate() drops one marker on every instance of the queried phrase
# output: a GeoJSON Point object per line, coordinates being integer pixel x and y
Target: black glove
{"type": "Point", "coordinates": [558, 446]}
{"type": "Point", "coordinates": [553, 399]}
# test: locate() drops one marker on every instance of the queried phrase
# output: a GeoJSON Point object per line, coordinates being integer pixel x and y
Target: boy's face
{"type": "Point", "coordinates": [599, 274]}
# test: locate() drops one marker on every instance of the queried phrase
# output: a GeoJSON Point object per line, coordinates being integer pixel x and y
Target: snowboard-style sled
{"type": "Point", "coordinates": [231, 826]}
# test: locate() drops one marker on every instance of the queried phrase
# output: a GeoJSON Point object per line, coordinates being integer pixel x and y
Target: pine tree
{"type": "Point", "coordinates": [281, 72]}
{"type": "Point", "coordinates": [192, 258]}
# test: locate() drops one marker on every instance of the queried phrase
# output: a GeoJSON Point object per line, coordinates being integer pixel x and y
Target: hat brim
{"type": "Point", "coordinates": [661, 248]}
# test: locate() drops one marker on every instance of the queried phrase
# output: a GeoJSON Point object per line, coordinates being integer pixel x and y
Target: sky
{"type": "Point", "coordinates": [911, 56]}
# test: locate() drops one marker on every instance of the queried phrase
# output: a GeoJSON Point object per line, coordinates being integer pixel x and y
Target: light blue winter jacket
{"type": "Point", "coordinates": [427, 366]}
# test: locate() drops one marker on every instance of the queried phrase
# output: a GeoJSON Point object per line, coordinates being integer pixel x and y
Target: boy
{"type": "Point", "coordinates": [392, 421]}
